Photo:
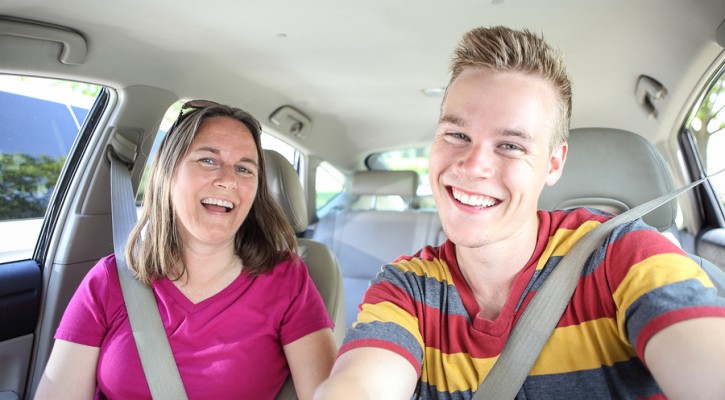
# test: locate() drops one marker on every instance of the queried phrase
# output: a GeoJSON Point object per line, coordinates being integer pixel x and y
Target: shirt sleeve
{"type": "Point", "coordinates": [387, 317]}
{"type": "Point", "coordinates": [85, 320]}
{"type": "Point", "coordinates": [306, 312]}
{"type": "Point", "coordinates": [659, 286]}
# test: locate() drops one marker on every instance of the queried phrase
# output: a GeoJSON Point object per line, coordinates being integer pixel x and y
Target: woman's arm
{"type": "Point", "coordinates": [70, 372]}
{"type": "Point", "coordinates": [310, 359]}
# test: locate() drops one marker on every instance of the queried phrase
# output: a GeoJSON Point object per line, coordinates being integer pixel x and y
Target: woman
{"type": "Point", "coordinates": [237, 304]}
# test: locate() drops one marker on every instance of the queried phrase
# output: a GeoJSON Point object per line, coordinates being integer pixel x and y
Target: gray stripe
{"type": "Point", "coordinates": [426, 290]}
{"type": "Point", "coordinates": [387, 331]}
{"type": "Point", "coordinates": [625, 380]}
{"type": "Point", "coordinates": [675, 296]}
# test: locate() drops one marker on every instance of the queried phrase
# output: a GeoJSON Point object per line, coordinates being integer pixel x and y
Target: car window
{"type": "Point", "coordinates": [329, 183]}
{"type": "Point", "coordinates": [707, 127]}
{"type": "Point", "coordinates": [407, 159]}
{"type": "Point", "coordinates": [39, 122]}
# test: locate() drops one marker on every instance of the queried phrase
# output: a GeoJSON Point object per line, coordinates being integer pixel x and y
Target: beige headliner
{"type": "Point", "coordinates": [357, 67]}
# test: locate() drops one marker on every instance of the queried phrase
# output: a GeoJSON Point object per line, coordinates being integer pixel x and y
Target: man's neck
{"type": "Point", "coordinates": [491, 270]}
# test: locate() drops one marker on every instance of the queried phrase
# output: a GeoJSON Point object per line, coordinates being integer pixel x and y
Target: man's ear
{"type": "Point", "coordinates": [556, 163]}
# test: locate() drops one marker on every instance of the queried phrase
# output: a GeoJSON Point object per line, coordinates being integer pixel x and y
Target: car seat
{"type": "Point", "coordinates": [615, 170]}
{"type": "Point", "coordinates": [321, 262]}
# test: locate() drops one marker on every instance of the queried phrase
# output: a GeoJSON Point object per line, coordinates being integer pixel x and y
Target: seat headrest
{"type": "Point", "coordinates": [385, 183]}
{"type": "Point", "coordinates": [285, 186]}
{"type": "Point", "coordinates": [613, 170]}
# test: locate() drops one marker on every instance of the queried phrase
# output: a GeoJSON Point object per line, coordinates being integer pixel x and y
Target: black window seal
{"type": "Point", "coordinates": [58, 198]}
{"type": "Point", "coordinates": [708, 202]}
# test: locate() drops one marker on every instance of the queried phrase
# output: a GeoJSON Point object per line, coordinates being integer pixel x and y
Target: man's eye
{"type": "Point", "coordinates": [511, 146]}
{"type": "Point", "coordinates": [457, 135]}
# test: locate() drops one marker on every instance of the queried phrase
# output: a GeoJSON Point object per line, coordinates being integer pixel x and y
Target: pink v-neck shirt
{"type": "Point", "coordinates": [227, 346]}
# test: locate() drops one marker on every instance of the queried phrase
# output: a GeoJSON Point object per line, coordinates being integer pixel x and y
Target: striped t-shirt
{"type": "Point", "coordinates": [637, 283]}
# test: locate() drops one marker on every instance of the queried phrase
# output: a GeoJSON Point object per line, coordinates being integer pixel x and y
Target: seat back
{"type": "Point", "coordinates": [615, 170]}
{"type": "Point", "coordinates": [384, 190]}
{"type": "Point", "coordinates": [366, 239]}
{"type": "Point", "coordinates": [321, 262]}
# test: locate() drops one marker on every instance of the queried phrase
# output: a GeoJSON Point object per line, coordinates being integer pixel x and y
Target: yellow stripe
{"type": "Point", "coordinates": [571, 348]}
{"type": "Point", "coordinates": [568, 350]}
{"type": "Point", "coordinates": [386, 312]}
{"type": "Point", "coordinates": [433, 269]}
{"type": "Point", "coordinates": [563, 239]}
{"type": "Point", "coordinates": [454, 372]}
{"type": "Point", "coordinates": [654, 272]}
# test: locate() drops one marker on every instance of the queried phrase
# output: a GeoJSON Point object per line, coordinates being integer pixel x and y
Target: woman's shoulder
{"type": "Point", "coordinates": [289, 267]}
{"type": "Point", "coordinates": [103, 276]}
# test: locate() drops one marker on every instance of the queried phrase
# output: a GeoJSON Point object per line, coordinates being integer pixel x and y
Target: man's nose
{"type": "Point", "coordinates": [479, 161]}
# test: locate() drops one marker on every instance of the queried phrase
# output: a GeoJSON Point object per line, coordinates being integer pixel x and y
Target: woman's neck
{"type": "Point", "coordinates": [207, 272]}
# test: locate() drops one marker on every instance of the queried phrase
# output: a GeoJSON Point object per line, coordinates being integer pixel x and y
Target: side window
{"type": "Point", "coordinates": [288, 151]}
{"type": "Point", "coordinates": [39, 122]}
{"type": "Point", "coordinates": [329, 183]}
{"type": "Point", "coordinates": [707, 126]}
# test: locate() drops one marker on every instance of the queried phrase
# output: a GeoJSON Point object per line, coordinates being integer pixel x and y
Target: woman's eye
{"type": "Point", "coordinates": [207, 161]}
{"type": "Point", "coordinates": [242, 170]}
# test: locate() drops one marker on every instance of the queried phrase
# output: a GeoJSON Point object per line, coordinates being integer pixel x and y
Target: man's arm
{"type": "Point", "coordinates": [369, 373]}
{"type": "Point", "coordinates": [687, 359]}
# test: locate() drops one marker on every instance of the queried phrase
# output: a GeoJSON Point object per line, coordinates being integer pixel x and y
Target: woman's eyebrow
{"type": "Point", "coordinates": [217, 151]}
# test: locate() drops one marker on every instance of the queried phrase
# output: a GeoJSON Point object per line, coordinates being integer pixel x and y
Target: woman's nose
{"type": "Point", "coordinates": [226, 177]}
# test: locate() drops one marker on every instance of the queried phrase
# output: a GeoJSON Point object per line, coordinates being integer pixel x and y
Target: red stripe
{"type": "Point", "coordinates": [382, 344]}
{"type": "Point", "coordinates": [663, 321]}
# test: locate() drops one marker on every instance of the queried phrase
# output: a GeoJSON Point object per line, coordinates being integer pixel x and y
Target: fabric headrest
{"type": "Point", "coordinates": [285, 186]}
{"type": "Point", "coordinates": [384, 183]}
{"type": "Point", "coordinates": [614, 170]}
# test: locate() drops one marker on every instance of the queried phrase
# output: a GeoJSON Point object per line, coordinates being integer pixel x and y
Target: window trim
{"type": "Point", "coordinates": [60, 194]}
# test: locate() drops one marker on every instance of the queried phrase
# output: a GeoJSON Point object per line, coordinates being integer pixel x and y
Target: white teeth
{"type": "Point", "coordinates": [218, 202]}
{"type": "Point", "coordinates": [476, 201]}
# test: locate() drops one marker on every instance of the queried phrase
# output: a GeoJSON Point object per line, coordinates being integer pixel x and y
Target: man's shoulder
{"type": "Point", "coordinates": [573, 218]}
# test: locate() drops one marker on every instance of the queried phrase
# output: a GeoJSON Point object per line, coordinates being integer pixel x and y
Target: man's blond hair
{"type": "Point", "coordinates": [505, 49]}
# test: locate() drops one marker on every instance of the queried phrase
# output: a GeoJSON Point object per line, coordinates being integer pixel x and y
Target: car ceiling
{"type": "Point", "coordinates": [357, 69]}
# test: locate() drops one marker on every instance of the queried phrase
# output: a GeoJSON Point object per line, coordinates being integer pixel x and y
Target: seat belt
{"type": "Point", "coordinates": [157, 360]}
{"type": "Point", "coordinates": [540, 317]}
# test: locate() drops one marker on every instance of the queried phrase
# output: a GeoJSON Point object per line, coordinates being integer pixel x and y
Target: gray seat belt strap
{"type": "Point", "coordinates": [159, 366]}
{"type": "Point", "coordinates": [540, 317]}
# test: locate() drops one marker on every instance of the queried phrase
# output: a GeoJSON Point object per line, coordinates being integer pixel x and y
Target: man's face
{"type": "Point", "coordinates": [491, 158]}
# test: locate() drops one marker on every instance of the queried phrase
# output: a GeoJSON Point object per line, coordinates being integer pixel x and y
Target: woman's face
{"type": "Point", "coordinates": [215, 183]}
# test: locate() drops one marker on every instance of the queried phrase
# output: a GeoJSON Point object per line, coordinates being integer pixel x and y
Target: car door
{"type": "Point", "coordinates": [45, 126]}
{"type": "Point", "coordinates": [702, 141]}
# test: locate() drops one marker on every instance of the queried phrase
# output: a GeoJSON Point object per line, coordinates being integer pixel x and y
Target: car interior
{"type": "Point", "coordinates": [348, 95]}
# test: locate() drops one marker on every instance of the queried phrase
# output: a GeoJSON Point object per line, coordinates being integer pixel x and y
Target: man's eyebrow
{"type": "Point", "coordinates": [452, 119]}
{"type": "Point", "coordinates": [517, 133]}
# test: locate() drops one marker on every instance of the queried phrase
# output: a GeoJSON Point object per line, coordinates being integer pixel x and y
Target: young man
{"type": "Point", "coordinates": [644, 321]}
